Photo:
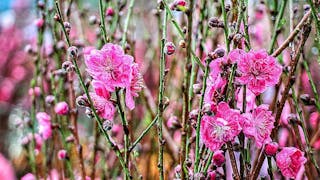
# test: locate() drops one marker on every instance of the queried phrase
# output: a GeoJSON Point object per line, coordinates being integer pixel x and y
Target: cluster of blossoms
{"type": "Point", "coordinates": [258, 71]}
{"type": "Point", "coordinates": [112, 70]}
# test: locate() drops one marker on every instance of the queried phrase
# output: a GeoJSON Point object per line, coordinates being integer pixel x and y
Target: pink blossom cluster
{"type": "Point", "coordinates": [112, 69]}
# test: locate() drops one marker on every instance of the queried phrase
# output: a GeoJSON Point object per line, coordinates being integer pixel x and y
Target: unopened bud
{"type": "Point", "coordinates": [182, 44]}
{"type": "Point", "coordinates": [67, 66]}
{"type": "Point", "coordinates": [214, 22]}
{"type": "Point", "coordinates": [73, 51]}
{"type": "Point", "coordinates": [107, 125]}
{"type": "Point", "coordinates": [169, 48]}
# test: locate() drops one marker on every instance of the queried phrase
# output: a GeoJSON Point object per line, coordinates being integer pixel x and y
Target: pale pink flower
{"type": "Point", "coordinates": [104, 107]}
{"type": "Point", "coordinates": [289, 160]}
{"type": "Point", "coordinates": [44, 121]}
{"type": "Point", "coordinates": [259, 124]}
{"type": "Point", "coordinates": [134, 87]}
{"type": "Point", "coordinates": [6, 171]}
{"type": "Point", "coordinates": [221, 128]}
{"type": "Point", "coordinates": [28, 176]}
{"type": "Point", "coordinates": [61, 108]}
{"type": "Point", "coordinates": [258, 71]}
{"type": "Point", "coordinates": [109, 65]}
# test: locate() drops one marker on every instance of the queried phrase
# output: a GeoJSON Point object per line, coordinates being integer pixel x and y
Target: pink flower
{"type": "Point", "coordinates": [259, 124]}
{"type": "Point", "coordinates": [236, 55]}
{"type": "Point", "coordinates": [100, 89]}
{"type": "Point", "coordinates": [221, 128]}
{"type": "Point", "coordinates": [134, 87]}
{"type": "Point", "coordinates": [44, 121]}
{"type": "Point", "coordinates": [218, 158]}
{"type": "Point", "coordinates": [109, 65]}
{"type": "Point", "coordinates": [104, 107]}
{"type": "Point", "coordinates": [109, 11]}
{"type": "Point", "coordinates": [62, 154]}
{"type": "Point", "coordinates": [28, 176]}
{"type": "Point", "coordinates": [215, 83]}
{"type": "Point", "coordinates": [271, 148]}
{"type": "Point", "coordinates": [61, 108]}
{"type": "Point", "coordinates": [258, 71]}
{"type": "Point", "coordinates": [289, 160]}
{"type": "Point", "coordinates": [6, 171]}
{"type": "Point", "coordinates": [39, 23]}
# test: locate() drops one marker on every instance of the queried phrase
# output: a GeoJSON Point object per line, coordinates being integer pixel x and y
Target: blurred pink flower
{"type": "Point", "coordinates": [271, 148]}
{"type": "Point", "coordinates": [289, 160]}
{"type": "Point", "coordinates": [61, 108]}
{"type": "Point", "coordinates": [104, 107]}
{"type": "Point", "coordinates": [44, 121]}
{"type": "Point", "coordinates": [28, 176]}
{"type": "Point", "coordinates": [258, 71]}
{"type": "Point", "coordinates": [314, 120]}
{"type": "Point", "coordinates": [221, 128]}
{"type": "Point", "coordinates": [109, 65]}
{"type": "Point", "coordinates": [6, 171]}
{"type": "Point", "coordinates": [236, 55]}
{"type": "Point", "coordinates": [259, 124]}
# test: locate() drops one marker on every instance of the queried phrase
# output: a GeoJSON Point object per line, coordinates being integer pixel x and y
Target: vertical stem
{"type": "Point", "coordinates": [204, 86]}
{"type": "Point", "coordinates": [276, 26]}
{"type": "Point", "coordinates": [270, 168]}
{"type": "Point", "coordinates": [225, 22]}
{"type": "Point", "coordinates": [233, 161]}
{"type": "Point", "coordinates": [160, 96]}
{"type": "Point", "coordinates": [126, 25]}
{"type": "Point", "coordinates": [185, 86]}
{"type": "Point", "coordinates": [102, 19]}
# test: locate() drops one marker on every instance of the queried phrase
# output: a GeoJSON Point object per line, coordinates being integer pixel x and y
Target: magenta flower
{"type": "Point", "coordinates": [134, 87]}
{"type": "Point", "coordinates": [109, 65]}
{"type": "Point", "coordinates": [218, 158]}
{"type": "Point", "coordinates": [44, 126]}
{"type": "Point", "coordinates": [289, 160]}
{"type": "Point", "coordinates": [271, 148]}
{"type": "Point", "coordinates": [259, 124]}
{"type": "Point", "coordinates": [100, 89]}
{"type": "Point", "coordinates": [61, 108]}
{"type": "Point", "coordinates": [215, 83]}
{"type": "Point", "coordinates": [103, 106]}
{"type": "Point", "coordinates": [221, 128]}
{"type": "Point", "coordinates": [258, 71]}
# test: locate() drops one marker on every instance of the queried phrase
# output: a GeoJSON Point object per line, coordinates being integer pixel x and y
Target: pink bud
{"type": "Point", "coordinates": [39, 23]}
{"type": "Point", "coordinates": [36, 91]}
{"type": "Point", "coordinates": [109, 11]}
{"type": "Point", "coordinates": [218, 158]}
{"type": "Point", "coordinates": [61, 108]}
{"type": "Point", "coordinates": [271, 148]}
{"type": "Point", "coordinates": [212, 175]}
{"type": "Point", "coordinates": [169, 48]}
{"type": "Point", "coordinates": [49, 99]}
{"type": "Point", "coordinates": [180, 2]}
{"type": "Point", "coordinates": [62, 154]}
{"type": "Point", "coordinates": [177, 169]}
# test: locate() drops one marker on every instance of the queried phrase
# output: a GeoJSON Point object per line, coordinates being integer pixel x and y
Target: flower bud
{"type": "Point", "coordinates": [61, 45]}
{"type": "Point", "coordinates": [173, 123]}
{"type": "Point", "coordinates": [182, 44]}
{"type": "Point", "coordinates": [89, 113]}
{"type": "Point", "coordinates": [61, 108]}
{"type": "Point", "coordinates": [179, 5]}
{"type": "Point", "coordinates": [49, 99]}
{"type": "Point", "coordinates": [193, 114]}
{"type": "Point", "coordinates": [177, 169]}
{"type": "Point", "coordinates": [67, 26]}
{"type": "Point", "coordinates": [109, 11]}
{"type": "Point", "coordinates": [197, 88]}
{"type": "Point", "coordinates": [70, 139]}
{"type": "Point", "coordinates": [214, 22]}
{"type": "Point", "coordinates": [93, 20]}
{"type": "Point", "coordinates": [293, 119]}
{"type": "Point", "coordinates": [62, 154]}
{"type": "Point", "coordinates": [271, 148]}
{"type": "Point", "coordinates": [82, 101]}
{"type": "Point", "coordinates": [56, 17]}
{"type": "Point", "coordinates": [107, 125]}
{"type": "Point", "coordinates": [73, 51]}
{"type": "Point", "coordinates": [67, 66]}
{"type": "Point", "coordinates": [39, 23]}
{"type": "Point", "coordinates": [36, 91]}
{"type": "Point", "coordinates": [218, 158]}
{"type": "Point", "coordinates": [169, 48]}
{"type": "Point", "coordinates": [40, 4]}
{"type": "Point", "coordinates": [306, 99]}
{"type": "Point", "coordinates": [218, 53]}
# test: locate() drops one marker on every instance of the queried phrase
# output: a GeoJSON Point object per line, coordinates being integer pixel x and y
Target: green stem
{"type": "Point", "coordinates": [124, 35]}
{"type": "Point", "coordinates": [270, 168]}
{"type": "Point", "coordinates": [102, 19]}
{"type": "Point", "coordinates": [276, 26]}
{"type": "Point", "coordinates": [204, 87]}
{"type": "Point", "coordinates": [133, 145]}
{"type": "Point", "coordinates": [313, 86]}
{"type": "Point", "coordinates": [225, 22]}
{"type": "Point", "coordinates": [161, 94]}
